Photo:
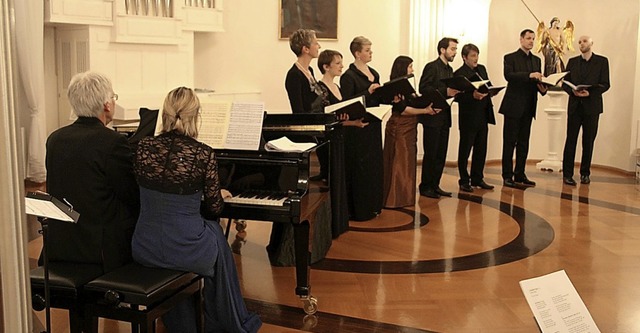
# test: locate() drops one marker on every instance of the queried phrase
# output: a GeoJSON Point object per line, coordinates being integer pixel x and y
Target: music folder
{"type": "Point", "coordinates": [354, 107]}
{"type": "Point", "coordinates": [432, 96]}
{"type": "Point", "coordinates": [390, 89]}
{"type": "Point", "coordinates": [491, 90]}
{"type": "Point", "coordinates": [42, 204]}
{"type": "Point", "coordinates": [461, 83]}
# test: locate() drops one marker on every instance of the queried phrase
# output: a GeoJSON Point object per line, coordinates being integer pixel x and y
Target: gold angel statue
{"type": "Point", "coordinates": [552, 42]}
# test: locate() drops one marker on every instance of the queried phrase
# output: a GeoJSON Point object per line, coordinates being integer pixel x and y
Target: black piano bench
{"type": "Point", "coordinates": [139, 295]}
{"type": "Point", "coordinates": [66, 281]}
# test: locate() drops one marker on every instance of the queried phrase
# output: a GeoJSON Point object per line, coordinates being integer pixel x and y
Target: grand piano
{"type": "Point", "coordinates": [272, 186]}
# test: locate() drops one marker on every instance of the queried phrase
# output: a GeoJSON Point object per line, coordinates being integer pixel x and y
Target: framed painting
{"type": "Point", "coordinates": [318, 15]}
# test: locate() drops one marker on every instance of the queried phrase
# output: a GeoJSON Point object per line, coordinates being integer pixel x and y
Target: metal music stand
{"type": "Point", "coordinates": [45, 207]}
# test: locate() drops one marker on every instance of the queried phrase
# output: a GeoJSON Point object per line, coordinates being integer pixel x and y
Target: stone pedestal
{"type": "Point", "coordinates": [555, 111]}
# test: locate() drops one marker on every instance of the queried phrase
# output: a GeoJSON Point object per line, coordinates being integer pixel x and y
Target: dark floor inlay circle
{"type": "Point", "coordinates": [538, 233]}
{"type": "Point", "coordinates": [292, 317]}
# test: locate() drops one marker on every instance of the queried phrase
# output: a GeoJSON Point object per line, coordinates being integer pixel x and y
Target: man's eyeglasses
{"type": "Point", "coordinates": [115, 97]}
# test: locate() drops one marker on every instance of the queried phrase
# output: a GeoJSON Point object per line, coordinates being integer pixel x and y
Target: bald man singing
{"type": "Point", "coordinates": [585, 107]}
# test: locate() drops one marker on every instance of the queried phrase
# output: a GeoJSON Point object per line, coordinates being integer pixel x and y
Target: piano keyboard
{"type": "Point", "coordinates": [260, 198]}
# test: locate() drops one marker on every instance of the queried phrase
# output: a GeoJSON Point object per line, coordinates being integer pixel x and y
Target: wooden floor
{"type": "Point", "coordinates": [453, 264]}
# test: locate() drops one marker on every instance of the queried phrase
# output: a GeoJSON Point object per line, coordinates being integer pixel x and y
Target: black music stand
{"type": "Point", "coordinates": [45, 207]}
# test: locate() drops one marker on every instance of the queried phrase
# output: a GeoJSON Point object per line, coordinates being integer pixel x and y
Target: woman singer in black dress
{"type": "Point", "coordinates": [363, 146]}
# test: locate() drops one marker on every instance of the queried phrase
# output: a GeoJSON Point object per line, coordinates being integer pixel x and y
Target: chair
{"type": "Point", "coordinates": [66, 282]}
{"type": "Point", "coordinates": [139, 295]}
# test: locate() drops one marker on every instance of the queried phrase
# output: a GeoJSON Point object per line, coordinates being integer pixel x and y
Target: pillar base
{"type": "Point", "coordinates": [547, 165]}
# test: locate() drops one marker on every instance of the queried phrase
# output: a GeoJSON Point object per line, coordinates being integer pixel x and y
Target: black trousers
{"type": "Point", "coordinates": [515, 136]}
{"type": "Point", "coordinates": [435, 141]}
{"type": "Point", "coordinates": [476, 139]}
{"type": "Point", "coordinates": [589, 124]}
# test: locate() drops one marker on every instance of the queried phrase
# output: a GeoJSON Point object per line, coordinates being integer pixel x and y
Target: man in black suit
{"type": "Point", "coordinates": [435, 134]}
{"type": "Point", "coordinates": [90, 166]}
{"type": "Point", "coordinates": [475, 112]}
{"type": "Point", "coordinates": [585, 107]}
{"type": "Point", "coordinates": [522, 72]}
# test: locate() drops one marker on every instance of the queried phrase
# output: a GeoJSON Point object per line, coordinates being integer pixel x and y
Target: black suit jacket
{"type": "Point", "coordinates": [597, 75]}
{"type": "Point", "coordinates": [473, 113]}
{"type": "Point", "coordinates": [91, 167]}
{"type": "Point", "coordinates": [432, 74]}
{"type": "Point", "coordinates": [521, 96]}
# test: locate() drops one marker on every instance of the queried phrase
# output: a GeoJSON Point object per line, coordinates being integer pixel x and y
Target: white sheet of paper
{"type": "Point", "coordinates": [556, 305]}
{"type": "Point", "coordinates": [245, 126]}
{"type": "Point", "coordinates": [45, 208]}
{"type": "Point", "coordinates": [379, 111]}
{"type": "Point", "coordinates": [284, 144]}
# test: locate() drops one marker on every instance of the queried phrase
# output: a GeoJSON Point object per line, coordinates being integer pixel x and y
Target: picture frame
{"type": "Point", "coordinates": [318, 15]}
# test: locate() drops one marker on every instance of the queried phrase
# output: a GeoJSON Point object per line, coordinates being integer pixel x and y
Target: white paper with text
{"type": "Point", "coordinates": [556, 305]}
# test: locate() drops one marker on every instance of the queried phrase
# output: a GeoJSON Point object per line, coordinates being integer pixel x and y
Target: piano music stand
{"type": "Point", "coordinates": [44, 207]}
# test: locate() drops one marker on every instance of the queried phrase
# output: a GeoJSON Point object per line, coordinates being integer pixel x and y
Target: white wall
{"type": "Point", "coordinates": [613, 25]}
{"type": "Point", "coordinates": [249, 56]}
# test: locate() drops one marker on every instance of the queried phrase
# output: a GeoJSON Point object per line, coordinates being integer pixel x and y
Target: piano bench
{"type": "Point", "coordinates": [139, 295]}
{"type": "Point", "coordinates": [66, 282]}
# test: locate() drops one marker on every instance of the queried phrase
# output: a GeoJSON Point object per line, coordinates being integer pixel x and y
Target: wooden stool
{"type": "Point", "coordinates": [139, 295]}
{"type": "Point", "coordinates": [66, 281]}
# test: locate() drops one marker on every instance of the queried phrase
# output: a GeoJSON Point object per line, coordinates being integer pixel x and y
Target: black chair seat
{"type": "Point", "coordinates": [140, 285]}
{"type": "Point", "coordinates": [147, 293]}
{"type": "Point", "coordinates": [65, 279]}
{"type": "Point", "coordinates": [66, 282]}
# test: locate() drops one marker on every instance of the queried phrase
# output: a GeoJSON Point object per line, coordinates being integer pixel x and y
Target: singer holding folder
{"type": "Point", "coordinates": [400, 144]}
{"type": "Point", "coordinates": [435, 139]}
{"type": "Point", "coordinates": [475, 113]}
{"type": "Point", "coordinates": [363, 146]}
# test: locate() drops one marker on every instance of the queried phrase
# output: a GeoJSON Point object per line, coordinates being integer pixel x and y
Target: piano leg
{"type": "Point", "coordinates": [303, 290]}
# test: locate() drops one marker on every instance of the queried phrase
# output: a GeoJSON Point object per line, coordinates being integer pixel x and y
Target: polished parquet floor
{"type": "Point", "coordinates": [453, 264]}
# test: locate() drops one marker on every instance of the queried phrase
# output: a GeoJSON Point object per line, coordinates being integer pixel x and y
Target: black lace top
{"type": "Point", "coordinates": [178, 164]}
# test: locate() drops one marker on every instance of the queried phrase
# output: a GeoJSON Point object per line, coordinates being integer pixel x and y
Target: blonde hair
{"type": "Point", "coordinates": [180, 112]}
{"type": "Point", "coordinates": [358, 43]}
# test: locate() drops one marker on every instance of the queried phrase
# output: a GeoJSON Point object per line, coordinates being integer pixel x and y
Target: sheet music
{"type": "Point", "coordinates": [228, 125]}
{"type": "Point", "coordinates": [556, 304]}
{"type": "Point", "coordinates": [45, 208]}
{"type": "Point", "coordinates": [245, 126]}
{"type": "Point", "coordinates": [214, 123]}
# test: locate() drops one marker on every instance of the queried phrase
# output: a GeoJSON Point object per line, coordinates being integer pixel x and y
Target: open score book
{"type": "Point", "coordinates": [228, 125]}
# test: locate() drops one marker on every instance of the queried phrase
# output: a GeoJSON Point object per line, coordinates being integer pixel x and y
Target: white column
{"type": "Point", "coordinates": [555, 114]}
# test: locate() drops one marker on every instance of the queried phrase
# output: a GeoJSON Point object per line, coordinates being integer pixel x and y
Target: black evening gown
{"type": "Point", "coordinates": [363, 151]}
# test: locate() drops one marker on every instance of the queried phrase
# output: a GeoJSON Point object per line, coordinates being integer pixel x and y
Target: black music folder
{"type": "Point", "coordinates": [42, 204]}
{"type": "Point", "coordinates": [461, 83]}
{"type": "Point", "coordinates": [491, 90]}
{"type": "Point", "coordinates": [354, 107]}
{"type": "Point", "coordinates": [395, 87]}
{"type": "Point", "coordinates": [432, 96]}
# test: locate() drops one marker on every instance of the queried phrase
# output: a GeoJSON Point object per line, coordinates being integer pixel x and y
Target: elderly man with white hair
{"type": "Point", "coordinates": [91, 167]}
{"type": "Point", "coordinates": [587, 80]}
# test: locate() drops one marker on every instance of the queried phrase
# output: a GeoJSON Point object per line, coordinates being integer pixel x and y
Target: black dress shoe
{"type": "Point", "coordinates": [569, 181]}
{"type": "Point", "coordinates": [526, 182]}
{"type": "Point", "coordinates": [319, 177]}
{"type": "Point", "coordinates": [483, 185]}
{"type": "Point", "coordinates": [430, 193]}
{"type": "Point", "coordinates": [443, 192]}
{"type": "Point", "coordinates": [585, 180]}
{"type": "Point", "coordinates": [466, 188]}
{"type": "Point", "coordinates": [509, 183]}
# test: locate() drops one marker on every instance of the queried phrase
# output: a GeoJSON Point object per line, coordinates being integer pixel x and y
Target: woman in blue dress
{"type": "Point", "coordinates": [178, 174]}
